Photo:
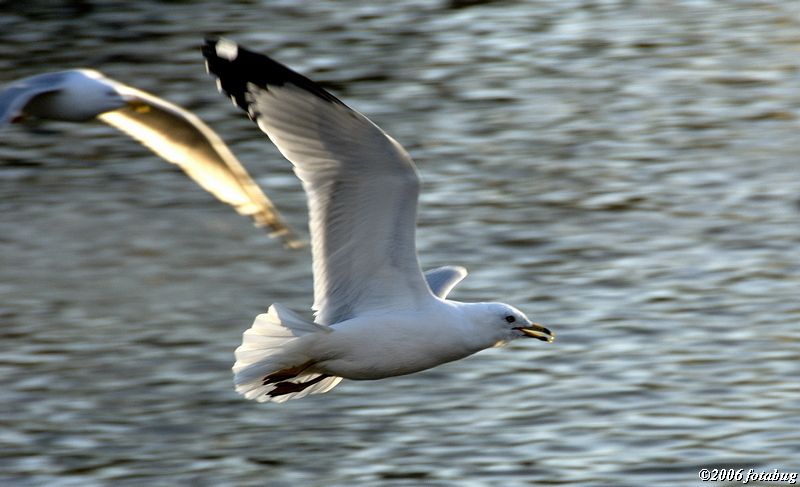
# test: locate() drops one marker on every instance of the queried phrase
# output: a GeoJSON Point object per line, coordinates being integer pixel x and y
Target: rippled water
{"type": "Point", "coordinates": [624, 171]}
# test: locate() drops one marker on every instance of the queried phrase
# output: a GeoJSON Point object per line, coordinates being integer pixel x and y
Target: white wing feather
{"type": "Point", "coordinates": [442, 280]}
{"type": "Point", "coordinates": [362, 186]}
{"type": "Point", "coordinates": [362, 192]}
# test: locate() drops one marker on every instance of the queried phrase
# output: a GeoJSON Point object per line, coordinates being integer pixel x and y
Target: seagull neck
{"type": "Point", "coordinates": [472, 326]}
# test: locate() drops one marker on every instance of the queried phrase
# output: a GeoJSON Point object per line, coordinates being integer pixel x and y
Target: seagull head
{"type": "Point", "coordinates": [83, 94]}
{"type": "Point", "coordinates": [97, 93]}
{"type": "Point", "coordinates": [504, 323]}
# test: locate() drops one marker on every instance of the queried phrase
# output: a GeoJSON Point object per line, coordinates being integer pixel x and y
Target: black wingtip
{"type": "Point", "coordinates": [209, 45]}
{"type": "Point", "coordinates": [236, 67]}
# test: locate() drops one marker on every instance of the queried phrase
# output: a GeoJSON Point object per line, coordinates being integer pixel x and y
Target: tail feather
{"type": "Point", "coordinates": [291, 389]}
{"type": "Point", "coordinates": [271, 364]}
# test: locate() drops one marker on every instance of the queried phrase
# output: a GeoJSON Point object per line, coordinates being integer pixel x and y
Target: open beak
{"type": "Point", "coordinates": [537, 331]}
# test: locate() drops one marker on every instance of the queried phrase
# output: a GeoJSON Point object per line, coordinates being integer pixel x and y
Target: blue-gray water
{"type": "Point", "coordinates": [626, 172]}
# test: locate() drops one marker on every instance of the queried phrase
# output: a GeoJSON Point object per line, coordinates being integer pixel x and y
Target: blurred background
{"type": "Point", "coordinates": [626, 172]}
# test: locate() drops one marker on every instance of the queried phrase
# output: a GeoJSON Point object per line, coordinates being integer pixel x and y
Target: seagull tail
{"type": "Point", "coordinates": [271, 364]}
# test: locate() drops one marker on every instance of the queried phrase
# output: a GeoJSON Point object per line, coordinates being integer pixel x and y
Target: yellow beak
{"type": "Point", "coordinates": [537, 331]}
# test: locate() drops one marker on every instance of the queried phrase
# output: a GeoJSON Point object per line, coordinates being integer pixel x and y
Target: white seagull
{"type": "Point", "coordinates": [173, 133]}
{"type": "Point", "coordinates": [376, 314]}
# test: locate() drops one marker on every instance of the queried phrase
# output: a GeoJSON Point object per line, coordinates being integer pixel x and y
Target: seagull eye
{"type": "Point", "coordinates": [510, 319]}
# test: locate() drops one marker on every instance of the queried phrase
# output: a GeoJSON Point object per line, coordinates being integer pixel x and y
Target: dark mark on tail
{"type": "Point", "coordinates": [285, 374]}
{"type": "Point", "coordinates": [284, 388]}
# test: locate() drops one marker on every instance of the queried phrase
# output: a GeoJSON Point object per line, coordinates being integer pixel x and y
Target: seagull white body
{"type": "Point", "coordinates": [439, 330]}
{"type": "Point", "coordinates": [175, 134]}
{"type": "Point", "coordinates": [377, 315]}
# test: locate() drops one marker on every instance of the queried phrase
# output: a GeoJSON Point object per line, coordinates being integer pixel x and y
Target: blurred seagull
{"type": "Point", "coordinates": [377, 316]}
{"type": "Point", "coordinates": [173, 133]}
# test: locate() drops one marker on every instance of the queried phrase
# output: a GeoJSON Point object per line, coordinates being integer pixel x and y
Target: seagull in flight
{"type": "Point", "coordinates": [376, 314]}
{"type": "Point", "coordinates": [173, 133]}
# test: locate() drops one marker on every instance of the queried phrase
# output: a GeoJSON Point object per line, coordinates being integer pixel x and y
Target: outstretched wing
{"type": "Point", "coordinates": [442, 280]}
{"type": "Point", "coordinates": [362, 186]}
{"type": "Point", "coordinates": [182, 138]}
{"type": "Point", "coordinates": [14, 97]}
{"type": "Point", "coordinates": [173, 133]}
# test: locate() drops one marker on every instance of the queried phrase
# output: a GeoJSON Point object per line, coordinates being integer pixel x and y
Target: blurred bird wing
{"type": "Point", "coordinates": [180, 137]}
{"type": "Point", "coordinates": [14, 97]}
